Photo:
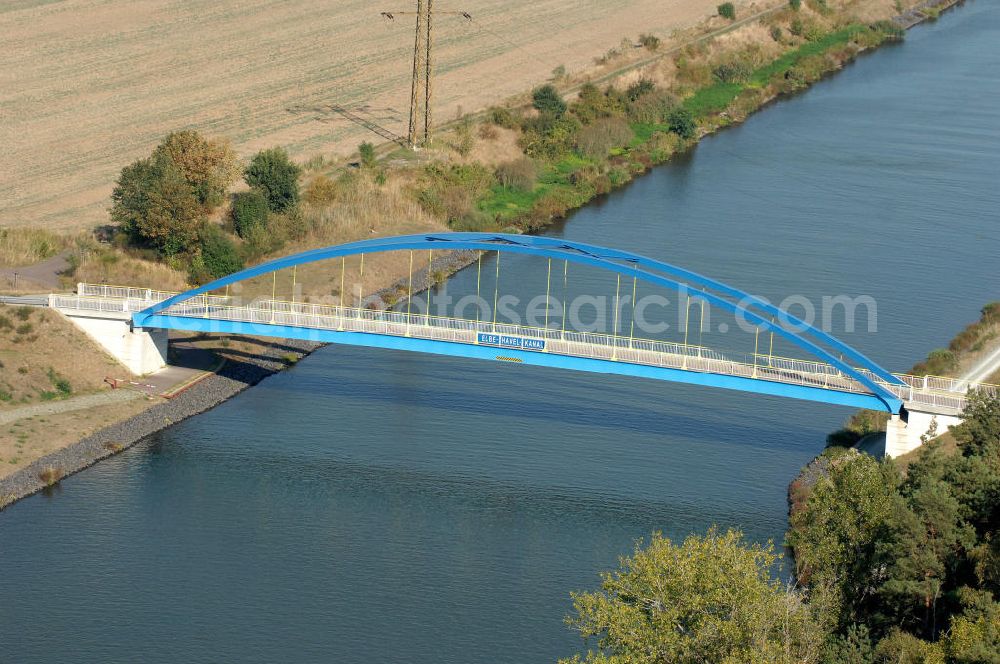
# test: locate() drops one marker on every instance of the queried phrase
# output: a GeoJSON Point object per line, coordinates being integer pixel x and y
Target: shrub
{"type": "Point", "coordinates": [650, 42]}
{"type": "Point", "coordinates": [367, 152]}
{"type": "Point", "coordinates": [51, 475]}
{"type": "Point", "coordinates": [321, 191]}
{"type": "Point", "coordinates": [463, 132]}
{"type": "Point", "coordinates": [596, 140]}
{"type": "Point", "coordinates": [258, 242]}
{"type": "Point", "coordinates": [275, 175]}
{"type": "Point", "coordinates": [820, 6]}
{"type": "Point", "coordinates": [249, 211]}
{"type": "Point", "coordinates": [776, 33]}
{"type": "Point", "coordinates": [451, 190]}
{"type": "Point", "coordinates": [888, 28]}
{"type": "Point", "coordinates": [727, 10]}
{"type": "Point", "coordinates": [939, 362]}
{"type": "Point", "coordinates": [549, 138]}
{"type": "Point", "coordinates": [548, 100]}
{"type": "Point", "coordinates": [653, 108]}
{"type": "Point", "coordinates": [618, 176]}
{"type": "Point", "coordinates": [795, 4]}
{"type": "Point", "coordinates": [663, 146]}
{"type": "Point", "coordinates": [640, 88]}
{"type": "Point", "coordinates": [23, 313]}
{"type": "Point", "coordinates": [24, 328]}
{"type": "Point", "coordinates": [473, 221]}
{"type": "Point", "coordinates": [218, 253]}
{"type": "Point", "coordinates": [5, 323]}
{"type": "Point", "coordinates": [519, 174]}
{"type": "Point", "coordinates": [797, 28]}
{"type": "Point", "coordinates": [736, 70]}
{"type": "Point", "coordinates": [682, 123]}
{"type": "Point", "coordinates": [591, 103]}
{"type": "Point", "coordinates": [502, 117]}
{"type": "Point", "coordinates": [60, 383]}
{"type": "Point", "coordinates": [488, 132]}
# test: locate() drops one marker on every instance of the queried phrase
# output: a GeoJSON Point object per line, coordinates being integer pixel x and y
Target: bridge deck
{"type": "Point", "coordinates": [933, 394]}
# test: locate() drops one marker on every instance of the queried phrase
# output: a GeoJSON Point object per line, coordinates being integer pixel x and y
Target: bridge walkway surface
{"type": "Point", "coordinates": [517, 343]}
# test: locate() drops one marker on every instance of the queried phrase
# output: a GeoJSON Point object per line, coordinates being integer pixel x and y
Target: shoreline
{"type": "Point", "coordinates": [233, 378]}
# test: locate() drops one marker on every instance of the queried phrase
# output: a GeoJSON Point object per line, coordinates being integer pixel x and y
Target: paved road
{"type": "Point", "coordinates": [26, 300]}
{"type": "Point", "coordinates": [44, 274]}
{"type": "Point", "coordinates": [68, 405]}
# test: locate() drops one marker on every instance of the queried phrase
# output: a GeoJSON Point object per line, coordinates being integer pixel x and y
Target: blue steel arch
{"type": "Point", "coordinates": [806, 337]}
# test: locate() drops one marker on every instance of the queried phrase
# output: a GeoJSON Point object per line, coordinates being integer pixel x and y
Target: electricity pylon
{"type": "Point", "coordinates": [422, 68]}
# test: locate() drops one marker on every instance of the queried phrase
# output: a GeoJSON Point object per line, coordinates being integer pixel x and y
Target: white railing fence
{"type": "Point", "coordinates": [934, 391]}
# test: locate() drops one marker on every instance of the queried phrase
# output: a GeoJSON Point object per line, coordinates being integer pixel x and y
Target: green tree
{"type": "Point", "coordinates": [838, 535]}
{"type": "Point", "coordinates": [928, 537]}
{"type": "Point", "coordinates": [209, 166]}
{"type": "Point", "coordinates": [854, 647]}
{"type": "Point", "coordinates": [979, 434]}
{"type": "Point", "coordinates": [155, 205]}
{"type": "Point", "coordinates": [275, 175]}
{"type": "Point", "coordinates": [711, 599]}
{"type": "Point", "coordinates": [548, 100]}
{"type": "Point", "coordinates": [900, 647]}
{"type": "Point", "coordinates": [727, 10]}
{"type": "Point", "coordinates": [974, 637]}
{"type": "Point", "coordinates": [681, 122]}
{"type": "Point", "coordinates": [249, 211]}
{"type": "Point", "coordinates": [367, 152]}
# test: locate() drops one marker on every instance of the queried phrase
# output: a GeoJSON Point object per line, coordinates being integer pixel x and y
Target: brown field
{"type": "Point", "coordinates": [90, 85]}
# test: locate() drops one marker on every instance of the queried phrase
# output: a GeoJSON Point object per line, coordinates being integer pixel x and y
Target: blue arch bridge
{"type": "Point", "coordinates": [833, 372]}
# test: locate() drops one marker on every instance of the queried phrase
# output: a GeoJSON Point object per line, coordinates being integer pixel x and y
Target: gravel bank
{"type": "Point", "coordinates": [234, 377]}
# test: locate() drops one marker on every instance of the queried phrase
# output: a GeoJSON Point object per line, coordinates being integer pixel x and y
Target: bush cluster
{"type": "Point", "coordinates": [519, 174]}
{"type": "Point", "coordinates": [597, 139]}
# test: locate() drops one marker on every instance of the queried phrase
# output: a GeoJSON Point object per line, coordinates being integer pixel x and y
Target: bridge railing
{"type": "Point", "coordinates": [579, 344]}
{"type": "Point", "coordinates": [97, 304]}
{"type": "Point", "coordinates": [939, 392]}
{"type": "Point", "coordinates": [122, 292]}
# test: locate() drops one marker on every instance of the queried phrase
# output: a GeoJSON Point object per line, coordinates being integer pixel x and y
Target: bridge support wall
{"type": "Point", "coordinates": [903, 432]}
{"type": "Point", "coordinates": [139, 350]}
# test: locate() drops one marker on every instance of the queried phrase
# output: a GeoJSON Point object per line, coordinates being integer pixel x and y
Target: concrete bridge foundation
{"type": "Point", "coordinates": [141, 351]}
{"type": "Point", "coordinates": [904, 432]}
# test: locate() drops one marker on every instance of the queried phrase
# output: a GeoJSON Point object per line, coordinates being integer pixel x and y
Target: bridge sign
{"type": "Point", "coordinates": [507, 341]}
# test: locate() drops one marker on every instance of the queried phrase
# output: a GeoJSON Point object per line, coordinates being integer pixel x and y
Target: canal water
{"type": "Point", "coordinates": [375, 506]}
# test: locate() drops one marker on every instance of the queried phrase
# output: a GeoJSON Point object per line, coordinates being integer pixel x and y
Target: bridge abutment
{"type": "Point", "coordinates": [905, 432]}
{"type": "Point", "coordinates": [140, 350]}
